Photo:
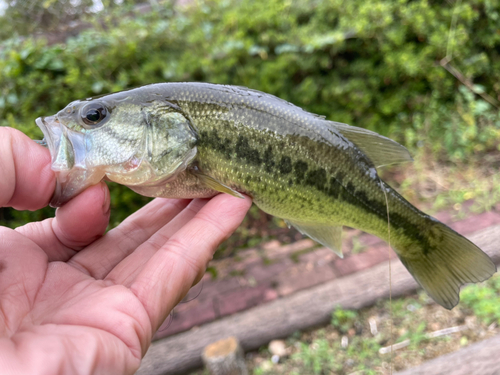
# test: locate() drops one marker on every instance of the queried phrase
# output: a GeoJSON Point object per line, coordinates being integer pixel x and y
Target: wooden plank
{"type": "Point", "coordinates": [280, 318]}
{"type": "Point", "coordinates": [480, 358]}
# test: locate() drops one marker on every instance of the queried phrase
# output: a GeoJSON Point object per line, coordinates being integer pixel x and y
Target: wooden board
{"type": "Point", "coordinates": [278, 319]}
{"type": "Point", "coordinates": [480, 358]}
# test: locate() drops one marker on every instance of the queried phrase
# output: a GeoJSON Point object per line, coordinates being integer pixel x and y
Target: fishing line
{"type": "Point", "coordinates": [451, 34]}
{"type": "Point", "coordinates": [168, 321]}
{"type": "Point", "coordinates": [390, 271]}
{"type": "Point", "coordinates": [449, 57]}
{"type": "Point", "coordinates": [170, 318]}
{"type": "Point", "coordinates": [200, 286]}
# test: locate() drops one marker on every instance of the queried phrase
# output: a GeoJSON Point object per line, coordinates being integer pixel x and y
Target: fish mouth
{"type": "Point", "coordinates": [68, 151]}
{"type": "Point", "coordinates": [47, 140]}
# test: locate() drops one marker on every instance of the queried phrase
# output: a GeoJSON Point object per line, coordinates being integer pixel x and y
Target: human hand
{"type": "Point", "coordinates": [75, 301]}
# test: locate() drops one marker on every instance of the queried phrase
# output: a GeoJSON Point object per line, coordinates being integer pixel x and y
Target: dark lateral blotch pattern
{"type": "Point", "coordinates": [336, 186]}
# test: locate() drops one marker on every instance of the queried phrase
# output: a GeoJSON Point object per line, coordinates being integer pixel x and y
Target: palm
{"type": "Point", "coordinates": [79, 302]}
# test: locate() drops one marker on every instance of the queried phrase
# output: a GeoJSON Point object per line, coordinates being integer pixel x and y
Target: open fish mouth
{"type": "Point", "coordinates": [68, 151]}
{"type": "Point", "coordinates": [47, 140]}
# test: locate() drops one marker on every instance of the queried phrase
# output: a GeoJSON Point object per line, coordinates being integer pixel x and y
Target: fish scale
{"type": "Point", "coordinates": [189, 140]}
{"type": "Point", "coordinates": [299, 148]}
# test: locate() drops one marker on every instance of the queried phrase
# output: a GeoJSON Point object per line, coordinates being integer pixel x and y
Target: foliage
{"type": "Point", "coordinates": [371, 64]}
{"type": "Point", "coordinates": [484, 300]}
{"type": "Point", "coordinates": [343, 319]}
{"type": "Point", "coordinates": [317, 357]}
{"type": "Point", "coordinates": [326, 354]}
{"type": "Point", "coordinates": [30, 16]}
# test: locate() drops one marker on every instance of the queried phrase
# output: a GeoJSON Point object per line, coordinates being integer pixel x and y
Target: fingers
{"type": "Point", "coordinates": [173, 269]}
{"type": "Point", "coordinates": [102, 256]}
{"type": "Point", "coordinates": [22, 270]}
{"type": "Point", "coordinates": [128, 269]}
{"type": "Point", "coordinates": [77, 224]}
{"type": "Point", "coordinates": [26, 180]}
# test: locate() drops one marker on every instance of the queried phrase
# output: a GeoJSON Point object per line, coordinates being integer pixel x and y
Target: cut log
{"type": "Point", "coordinates": [280, 318]}
{"type": "Point", "coordinates": [225, 357]}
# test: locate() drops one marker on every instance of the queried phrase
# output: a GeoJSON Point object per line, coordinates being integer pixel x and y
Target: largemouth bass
{"type": "Point", "coordinates": [191, 140]}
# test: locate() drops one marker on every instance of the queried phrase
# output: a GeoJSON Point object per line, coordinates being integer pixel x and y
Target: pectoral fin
{"type": "Point", "coordinates": [329, 236]}
{"type": "Point", "coordinates": [213, 184]}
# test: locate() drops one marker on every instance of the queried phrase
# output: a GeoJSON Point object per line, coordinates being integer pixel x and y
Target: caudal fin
{"type": "Point", "coordinates": [451, 263]}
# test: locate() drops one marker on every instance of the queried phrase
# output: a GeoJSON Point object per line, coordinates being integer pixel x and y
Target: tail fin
{"type": "Point", "coordinates": [444, 268]}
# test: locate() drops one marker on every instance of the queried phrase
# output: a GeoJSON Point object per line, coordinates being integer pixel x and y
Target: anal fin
{"type": "Point", "coordinates": [327, 235]}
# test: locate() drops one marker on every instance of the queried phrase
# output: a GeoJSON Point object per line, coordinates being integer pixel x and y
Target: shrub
{"type": "Point", "coordinates": [372, 64]}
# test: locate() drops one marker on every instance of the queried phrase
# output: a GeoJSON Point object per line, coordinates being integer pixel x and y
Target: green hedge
{"type": "Point", "coordinates": [374, 64]}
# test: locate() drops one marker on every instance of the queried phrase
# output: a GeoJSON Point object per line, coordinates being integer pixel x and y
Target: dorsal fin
{"type": "Point", "coordinates": [379, 149]}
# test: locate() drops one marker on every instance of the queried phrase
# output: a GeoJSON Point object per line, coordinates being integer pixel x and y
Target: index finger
{"type": "Point", "coordinates": [26, 180]}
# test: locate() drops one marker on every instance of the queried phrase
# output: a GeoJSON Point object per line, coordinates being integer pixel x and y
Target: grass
{"type": "Point", "coordinates": [350, 344]}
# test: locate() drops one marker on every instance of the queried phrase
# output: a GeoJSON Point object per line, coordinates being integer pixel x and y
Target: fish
{"type": "Point", "coordinates": [196, 140]}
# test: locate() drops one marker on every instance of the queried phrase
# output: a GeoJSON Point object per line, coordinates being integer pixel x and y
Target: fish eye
{"type": "Point", "coordinates": [93, 114]}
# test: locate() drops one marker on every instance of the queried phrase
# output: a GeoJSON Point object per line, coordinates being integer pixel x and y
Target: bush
{"type": "Point", "coordinates": [372, 64]}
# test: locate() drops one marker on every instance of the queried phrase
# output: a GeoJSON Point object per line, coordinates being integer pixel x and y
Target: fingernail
{"type": "Point", "coordinates": [106, 204]}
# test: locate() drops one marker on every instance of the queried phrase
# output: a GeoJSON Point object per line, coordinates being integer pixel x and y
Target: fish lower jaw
{"type": "Point", "coordinates": [71, 183]}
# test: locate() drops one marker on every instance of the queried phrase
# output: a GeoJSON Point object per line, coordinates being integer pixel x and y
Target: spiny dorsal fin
{"type": "Point", "coordinates": [379, 149]}
{"type": "Point", "coordinates": [213, 184]}
{"type": "Point", "coordinates": [327, 235]}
